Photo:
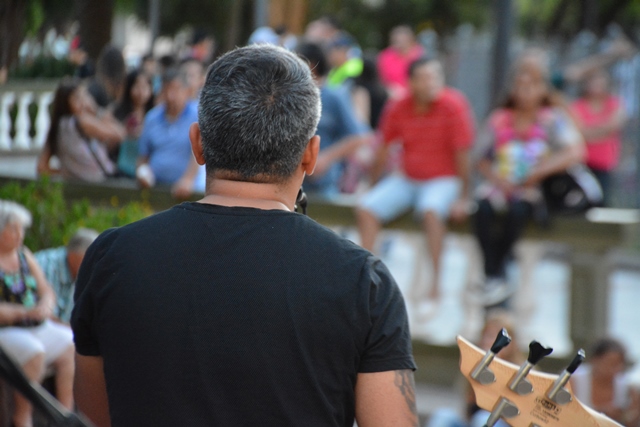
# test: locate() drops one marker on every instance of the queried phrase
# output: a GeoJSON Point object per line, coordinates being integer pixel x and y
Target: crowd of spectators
{"type": "Point", "coordinates": [392, 132]}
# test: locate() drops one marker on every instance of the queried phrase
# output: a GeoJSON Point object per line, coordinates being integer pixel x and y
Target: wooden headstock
{"type": "Point", "coordinates": [535, 408]}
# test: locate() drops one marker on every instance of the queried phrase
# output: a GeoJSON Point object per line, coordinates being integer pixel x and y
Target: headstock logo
{"type": "Point", "coordinates": [548, 405]}
{"type": "Point", "coordinates": [546, 410]}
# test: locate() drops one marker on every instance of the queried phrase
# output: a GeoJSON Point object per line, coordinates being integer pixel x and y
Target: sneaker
{"type": "Point", "coordinates": [495, 291]}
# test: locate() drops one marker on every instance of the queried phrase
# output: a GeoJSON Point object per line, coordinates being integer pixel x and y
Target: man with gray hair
{"type": "Point", "coordinates": [60, 266]}
{"type": "Point", "coordinates": [235, 310]}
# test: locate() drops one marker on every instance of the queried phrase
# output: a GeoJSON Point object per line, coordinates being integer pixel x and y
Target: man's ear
{"type": "Point", "coordinates": [310, 155]}
{"type": "Point", "coordinates": [196, 143]}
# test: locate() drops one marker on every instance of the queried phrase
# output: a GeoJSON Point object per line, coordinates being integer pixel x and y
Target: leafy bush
{"type": "Point", "coordinates": [55, 220]}
{"type": "Point", "coordinates": [43, 67]}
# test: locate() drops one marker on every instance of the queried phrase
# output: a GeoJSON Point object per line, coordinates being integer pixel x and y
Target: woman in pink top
{"type": "Point", "coordinates": [393, 62]}
{"type": "Point", "coordinates": [601, 117]}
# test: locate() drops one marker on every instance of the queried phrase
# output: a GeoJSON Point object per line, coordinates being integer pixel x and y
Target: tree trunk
{"type": "Point", "coordinates": [558, 16]}
{"type": "Point", "coordinates": [589, 18]}
{"type": "Point", "coordinates": [12, 19]}
{"type": "Point", "coordinates": [235, 22]}
{"type": "Point", "coordinates": [95, 17]}
{"type": "Point", "coordinates": [609, 14]}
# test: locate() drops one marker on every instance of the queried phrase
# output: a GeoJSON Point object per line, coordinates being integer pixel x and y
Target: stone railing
{"type": "Point", "coordinates": [20, 130]}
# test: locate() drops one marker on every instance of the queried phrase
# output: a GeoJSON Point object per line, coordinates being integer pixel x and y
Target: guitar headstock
{"type": "Point", "coordinates": [501, 388]}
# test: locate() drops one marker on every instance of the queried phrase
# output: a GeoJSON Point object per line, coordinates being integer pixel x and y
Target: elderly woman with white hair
{"type": "Point", "coordinates": [26, 305]}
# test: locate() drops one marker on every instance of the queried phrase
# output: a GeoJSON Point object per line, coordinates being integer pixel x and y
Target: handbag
{"type": "Point", "coordinates": [572, 192]}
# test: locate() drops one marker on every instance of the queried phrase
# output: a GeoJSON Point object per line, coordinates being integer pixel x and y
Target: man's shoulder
{"type": "Point", "coordinates": [51, 254]}
{"type": "Point", "coordinates": [155, 114]}
{"type": "Point", "coordinates": [135, 230]}
{"type": "Point", "coordinates": [191, 108]}
{"type": "Point", "coordinates": [453, 97]}
{"type": "Point", "coordinates": [401, 106]}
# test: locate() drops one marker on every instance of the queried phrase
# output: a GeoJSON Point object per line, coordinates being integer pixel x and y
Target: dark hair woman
{"type": "Point", "coordinates": [80, 135]}
{"type": "Point", "coordinates": [138, 99]}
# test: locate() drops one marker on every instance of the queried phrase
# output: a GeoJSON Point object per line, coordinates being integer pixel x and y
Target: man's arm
{"type": "Point", "coordinates": [339, 151]}
{"type": "Point", "coordinates": [90, 391]}
{"type": "Point", "coordinates": [385, 399]}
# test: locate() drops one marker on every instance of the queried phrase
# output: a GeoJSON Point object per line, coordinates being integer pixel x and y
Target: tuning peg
{"type": "Point", "coordinates": [503, 409]}
{"type": "Point", "coordinates": [481, 372]}
{"type": "Point", "coordinates": [519, 383]}
{"type": "Point", "coordinates": [557, 392]}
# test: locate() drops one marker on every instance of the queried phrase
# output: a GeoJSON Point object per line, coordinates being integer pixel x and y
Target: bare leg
{"type": "Point", "coordinates": [435, 230]}
{"type": "Point", "coordinates": [64, 367]}
{"type": "Point", "coordinates": [368, 227]}
{"type": "Point", "coordinates": [34, 370]}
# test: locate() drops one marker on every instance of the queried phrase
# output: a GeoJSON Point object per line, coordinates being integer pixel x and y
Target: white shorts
{"type": "Point", "coordinates": [396, 194]}
{"type": "Point", "coordinates": [24, 343]}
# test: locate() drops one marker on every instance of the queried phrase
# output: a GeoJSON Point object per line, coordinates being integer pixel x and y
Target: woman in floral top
{"type": "Point", "coordinates": [26, 305]}
{"type": "Point", "coordinates": [528, 139]}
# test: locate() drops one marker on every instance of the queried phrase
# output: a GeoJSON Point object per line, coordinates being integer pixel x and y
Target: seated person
{"type": "Point", "coordinates": [80, 136]}
{"type": "Point", "coordinates": [341, 134]}
{"type": "Point", "coordinates": [164, 150]}
{"type": "Point", "coordinates": [601, 118]}
{"type": "Point", "coordinates": [138, 99]}
{"type": "Point", "coordinates": [60, 267]}
{"type": "Point", "coordinates": [602, 384]}
{"type": "Point", "coordinates": [26, 306]}
{"type": "Point", "coordinates": [528, 139]}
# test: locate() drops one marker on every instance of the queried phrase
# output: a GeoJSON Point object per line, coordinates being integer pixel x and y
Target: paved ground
{"type": "Point", "coordinates": [541, 306]}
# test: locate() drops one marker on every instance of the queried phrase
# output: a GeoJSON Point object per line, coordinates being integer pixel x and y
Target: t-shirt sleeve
{"type": "Point", "coordinates": [388, 342]}
{"type": "Point", "coordinates": [462, 124]}
{"type": "Point", "coordinates": [84, 315]}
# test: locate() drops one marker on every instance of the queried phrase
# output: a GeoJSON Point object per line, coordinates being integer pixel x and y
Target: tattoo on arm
{"type": "Point", "coordinates": [406, 384]}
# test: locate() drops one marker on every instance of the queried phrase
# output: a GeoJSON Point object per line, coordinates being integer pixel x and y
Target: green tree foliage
{"type": "Point", "coordinates": [55, 220]}
{"type": "Point", "coordinates": [371, 23]}
{"type": "Point", "coordinates": [211, 16]}
{"type": "Point", "coordinates": [568, 17]}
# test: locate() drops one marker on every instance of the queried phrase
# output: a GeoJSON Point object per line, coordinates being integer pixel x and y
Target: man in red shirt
{"type": "Point", "coordinates": [435, 126]}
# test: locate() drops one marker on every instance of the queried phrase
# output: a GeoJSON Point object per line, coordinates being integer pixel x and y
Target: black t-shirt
{"type": "Point", "coordinates": [215, 316]}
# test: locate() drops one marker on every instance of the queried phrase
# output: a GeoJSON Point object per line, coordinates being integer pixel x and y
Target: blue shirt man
{"type": "Point", "coordinates": [60, 266]}
{"type": "Point", "coordinates": [164, 144]}
{"type": "Point", "coordinates": [338, 122]}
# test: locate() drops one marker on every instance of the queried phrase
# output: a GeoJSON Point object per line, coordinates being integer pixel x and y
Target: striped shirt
{"type": "Point", "coordinates": [430, 138]}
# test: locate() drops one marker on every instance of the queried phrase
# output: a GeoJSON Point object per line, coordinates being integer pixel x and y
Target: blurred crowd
{"type": "Point", "coordinates": [393, 134]}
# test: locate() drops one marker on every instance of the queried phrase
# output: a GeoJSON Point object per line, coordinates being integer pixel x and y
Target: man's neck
{"type": "Point", "coordinates": [265, 196]}
{"type": "Point", "coordinates": [173, 115]}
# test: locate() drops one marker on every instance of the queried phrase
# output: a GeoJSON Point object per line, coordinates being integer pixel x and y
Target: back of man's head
{"type": "Point", "coordinates": [81, 240]}
{"type": "Point", "coordinates": [258, 110]}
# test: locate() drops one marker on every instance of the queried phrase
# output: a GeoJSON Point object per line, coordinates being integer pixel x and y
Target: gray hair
{"type": "Point", "coordinates": [81, 240]}
{"type": "Point", "coordinates": [13, 212]}
{"type": "Point", "coordinates": [258, 109]}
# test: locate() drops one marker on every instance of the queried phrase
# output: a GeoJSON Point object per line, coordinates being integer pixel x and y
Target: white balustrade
{"type": "Point", "coordinates": [23, 123]}
{"type": "Point", "coordinates": [43, 119]}
{"type": "Point", "coordinates": [22, 141]}
{"type": "Point", "coordinates": [5, 120]}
